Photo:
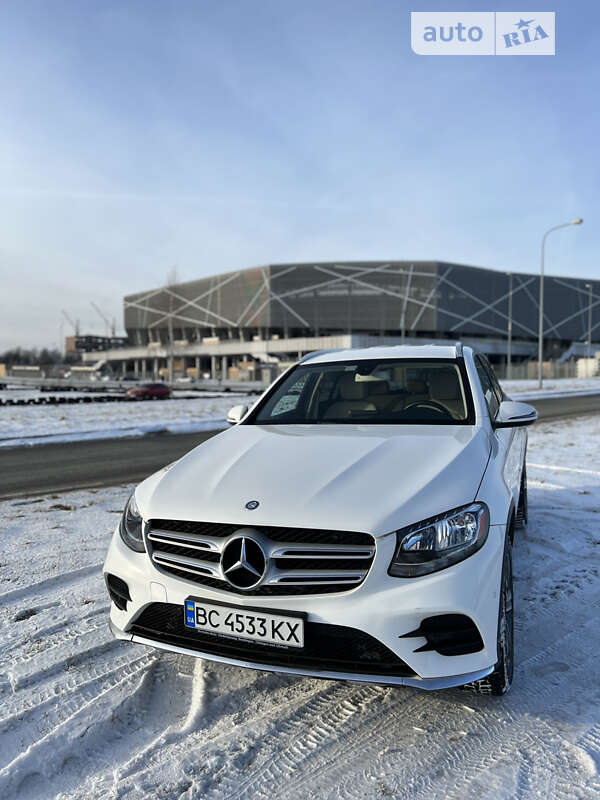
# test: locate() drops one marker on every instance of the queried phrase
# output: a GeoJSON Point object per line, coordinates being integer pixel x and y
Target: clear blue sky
{"type": "Point", "coordinates": [213, 135]}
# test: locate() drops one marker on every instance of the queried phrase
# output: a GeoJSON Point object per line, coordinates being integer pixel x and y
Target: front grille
{"type": "Point", "coordinates": [277, 534]}
{"type": "Point", "coordinates": [334, 648]}
{"type": "Point", "coordinates": [299, 560]}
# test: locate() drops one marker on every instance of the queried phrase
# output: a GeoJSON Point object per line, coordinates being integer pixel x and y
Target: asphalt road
{"type": "Point", "coordinates": [109, 462]}
{"type": "Point", "coordinates": [566, 405]}
{"type": "Point", "coordinates": [82, 465]}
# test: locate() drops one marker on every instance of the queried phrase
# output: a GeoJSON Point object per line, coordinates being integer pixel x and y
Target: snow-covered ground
{"type": "Point", "coordinates": [84, 716]}
{"type": "Point", "coordinates": [29, 425]}
{"type": "Point", "coordinates": [551, 386]}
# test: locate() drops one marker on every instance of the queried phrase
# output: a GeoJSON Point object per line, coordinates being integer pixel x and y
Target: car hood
{"type": "Point", "coordinates": [346, 477]}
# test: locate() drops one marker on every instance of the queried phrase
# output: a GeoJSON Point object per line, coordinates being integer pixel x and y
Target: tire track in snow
{"type": "Point", "coordinates": [539, 610]}
{"type": "Point", "coordinates": [50, 584]}
{"type": "Point", "coordinates": [515, 725]}
{"type": "Point", "coordinates": [327, 716]}
{"type": "Point", "coordinates": [225, 745]}
{"type": "Point", "coordinates": [359, 738]}
{"type": "Point", "coordinates": [219, 729]}
{"type": "Point", "coordinates": [66, 655]}
{"type": "Point", "coordinates": [54, 707]}
{"type": "Point", "coordinates": [327, 732]}
{"type": "Point", "coordinates": [25, 646]}
{"type": "Point", "coordinates": [171, 735]}
{"type": "Point", "coordinates": [590, 741]}
{"type": "Point", "coordinates": [97, 736]}
{"type": "Point", "coordinates": [227, 765]}
{"type": "Point", "coordinates": [461, 762]}
{"type": "Point", "coordinates": [376, 746]}
{"type": "Point", "coordinates": [59, 686]}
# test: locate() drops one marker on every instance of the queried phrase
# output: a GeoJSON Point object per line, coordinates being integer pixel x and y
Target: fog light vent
{"type": "Point", "coordinates": [118, 591]}
{"type": "Point", "coordinates": [448, 635]}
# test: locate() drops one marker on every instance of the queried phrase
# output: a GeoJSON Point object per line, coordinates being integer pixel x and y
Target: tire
{"type": "Point", "coordinates": [499, 681]}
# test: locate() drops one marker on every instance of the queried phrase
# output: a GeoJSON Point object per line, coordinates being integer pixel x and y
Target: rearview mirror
{"type": "Point", "coordinates": [512, 414]}
{"type": "Point", "coordinates": [236, 414]}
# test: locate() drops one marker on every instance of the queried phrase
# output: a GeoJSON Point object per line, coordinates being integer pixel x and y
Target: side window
{"type": "Point", "coordinates": [494, 380]}
{"type": "Point", "coordinates": [488, 389]}
{"type": "Point", "coordinates": [290, 400]}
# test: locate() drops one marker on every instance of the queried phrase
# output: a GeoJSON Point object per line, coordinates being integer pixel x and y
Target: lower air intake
{"type": "Point", "coordinates": [448, 635]}
{"type": "Point", "coordinates": [118, 591]}
{"type": "Point", "coordinates": [333, 648]}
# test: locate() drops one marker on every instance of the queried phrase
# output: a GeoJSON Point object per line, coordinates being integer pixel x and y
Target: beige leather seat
{"type": "Point", "coordinates": [353, 397]}
{"type": "Point", "coordinates": [417, 392]}
{"type": "Point", "coordinates": [379, 394]}
{"type": "Point", "coordinates": [444, 388]}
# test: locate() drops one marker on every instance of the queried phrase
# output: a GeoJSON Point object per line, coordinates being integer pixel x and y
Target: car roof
{"type": "Point", "coordinates": [404, 351]}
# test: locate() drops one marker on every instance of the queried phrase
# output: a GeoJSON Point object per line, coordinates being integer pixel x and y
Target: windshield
{"type": "Point", "coordinates": [393, 391]}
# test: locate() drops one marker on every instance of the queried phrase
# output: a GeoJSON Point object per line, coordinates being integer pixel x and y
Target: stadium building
{"type": "Point", "coordinates": [238, 324]}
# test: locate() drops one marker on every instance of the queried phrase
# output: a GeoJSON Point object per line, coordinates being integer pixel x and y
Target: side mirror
{"type": "Point", "coordinates": [512, 414]}
{"type": "Point", "coordinates": [236, 414]}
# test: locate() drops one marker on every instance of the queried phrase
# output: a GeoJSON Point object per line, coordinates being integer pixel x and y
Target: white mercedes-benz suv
{"type": "Point", "coordinates": [356, 523]}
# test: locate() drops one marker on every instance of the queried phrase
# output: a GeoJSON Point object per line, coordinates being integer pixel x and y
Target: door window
{"type": "Point", "coordinates": [491, 399]}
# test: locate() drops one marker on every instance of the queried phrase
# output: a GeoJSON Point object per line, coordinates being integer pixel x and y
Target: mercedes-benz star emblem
{"type": "Point", "coordinates": [252, 504]}
{"type": "Point", "coordinates": [243, 562]}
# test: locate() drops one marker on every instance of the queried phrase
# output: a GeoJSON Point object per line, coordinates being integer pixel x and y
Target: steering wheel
{"type": "Point", "coordinates": [432, 404]}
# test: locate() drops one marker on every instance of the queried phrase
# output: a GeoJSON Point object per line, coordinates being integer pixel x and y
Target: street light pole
{"type": "Point", "coordinates": [509, 331]}
{"type": "Point", "coordinates": [588, 286]}
{"type": "Point", "coordinates": [577, 221]}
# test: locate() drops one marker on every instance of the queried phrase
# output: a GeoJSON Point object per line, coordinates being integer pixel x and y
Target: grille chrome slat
{"type": "Point", "coordinates": [201, 548]}
{"type": "Point", "coordinates": [185, 561]}
{"type": "Point", "coordinates": [322, 561]}
{"type": "Point", "coordinates": [314, 577]}
{"type": "Point", "coordinates": [326, 552]}
{"type": "Point", "coordinates": [205, 542]}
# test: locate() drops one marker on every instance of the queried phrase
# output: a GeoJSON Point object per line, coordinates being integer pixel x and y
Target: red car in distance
{"type": "Point", "coordinates": [149, 391]}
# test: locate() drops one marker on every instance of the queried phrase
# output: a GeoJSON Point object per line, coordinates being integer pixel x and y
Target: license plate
{"type": "Point", "coordinates": [242, 623]}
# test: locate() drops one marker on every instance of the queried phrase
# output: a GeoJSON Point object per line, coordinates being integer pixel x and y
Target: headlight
{"type": "Point", "coordinates": [131, 526]}
{"type": "Point", "coordinates": [439, 542]}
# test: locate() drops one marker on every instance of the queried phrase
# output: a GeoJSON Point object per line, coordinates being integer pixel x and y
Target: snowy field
{"type": "Point", "coordinates": [29, 425]}
{"type": "Point", "coordinates": [551, 386]}
{"type": "Point", "coordinates": [84, 716]}
{"type": "Point", "coordinates": [33, 425]}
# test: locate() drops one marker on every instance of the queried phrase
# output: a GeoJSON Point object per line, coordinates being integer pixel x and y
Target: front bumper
{"type": "Point", "coordinates": [418, 683]}
{"type": "Point", "coordinates": [384, 607]}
